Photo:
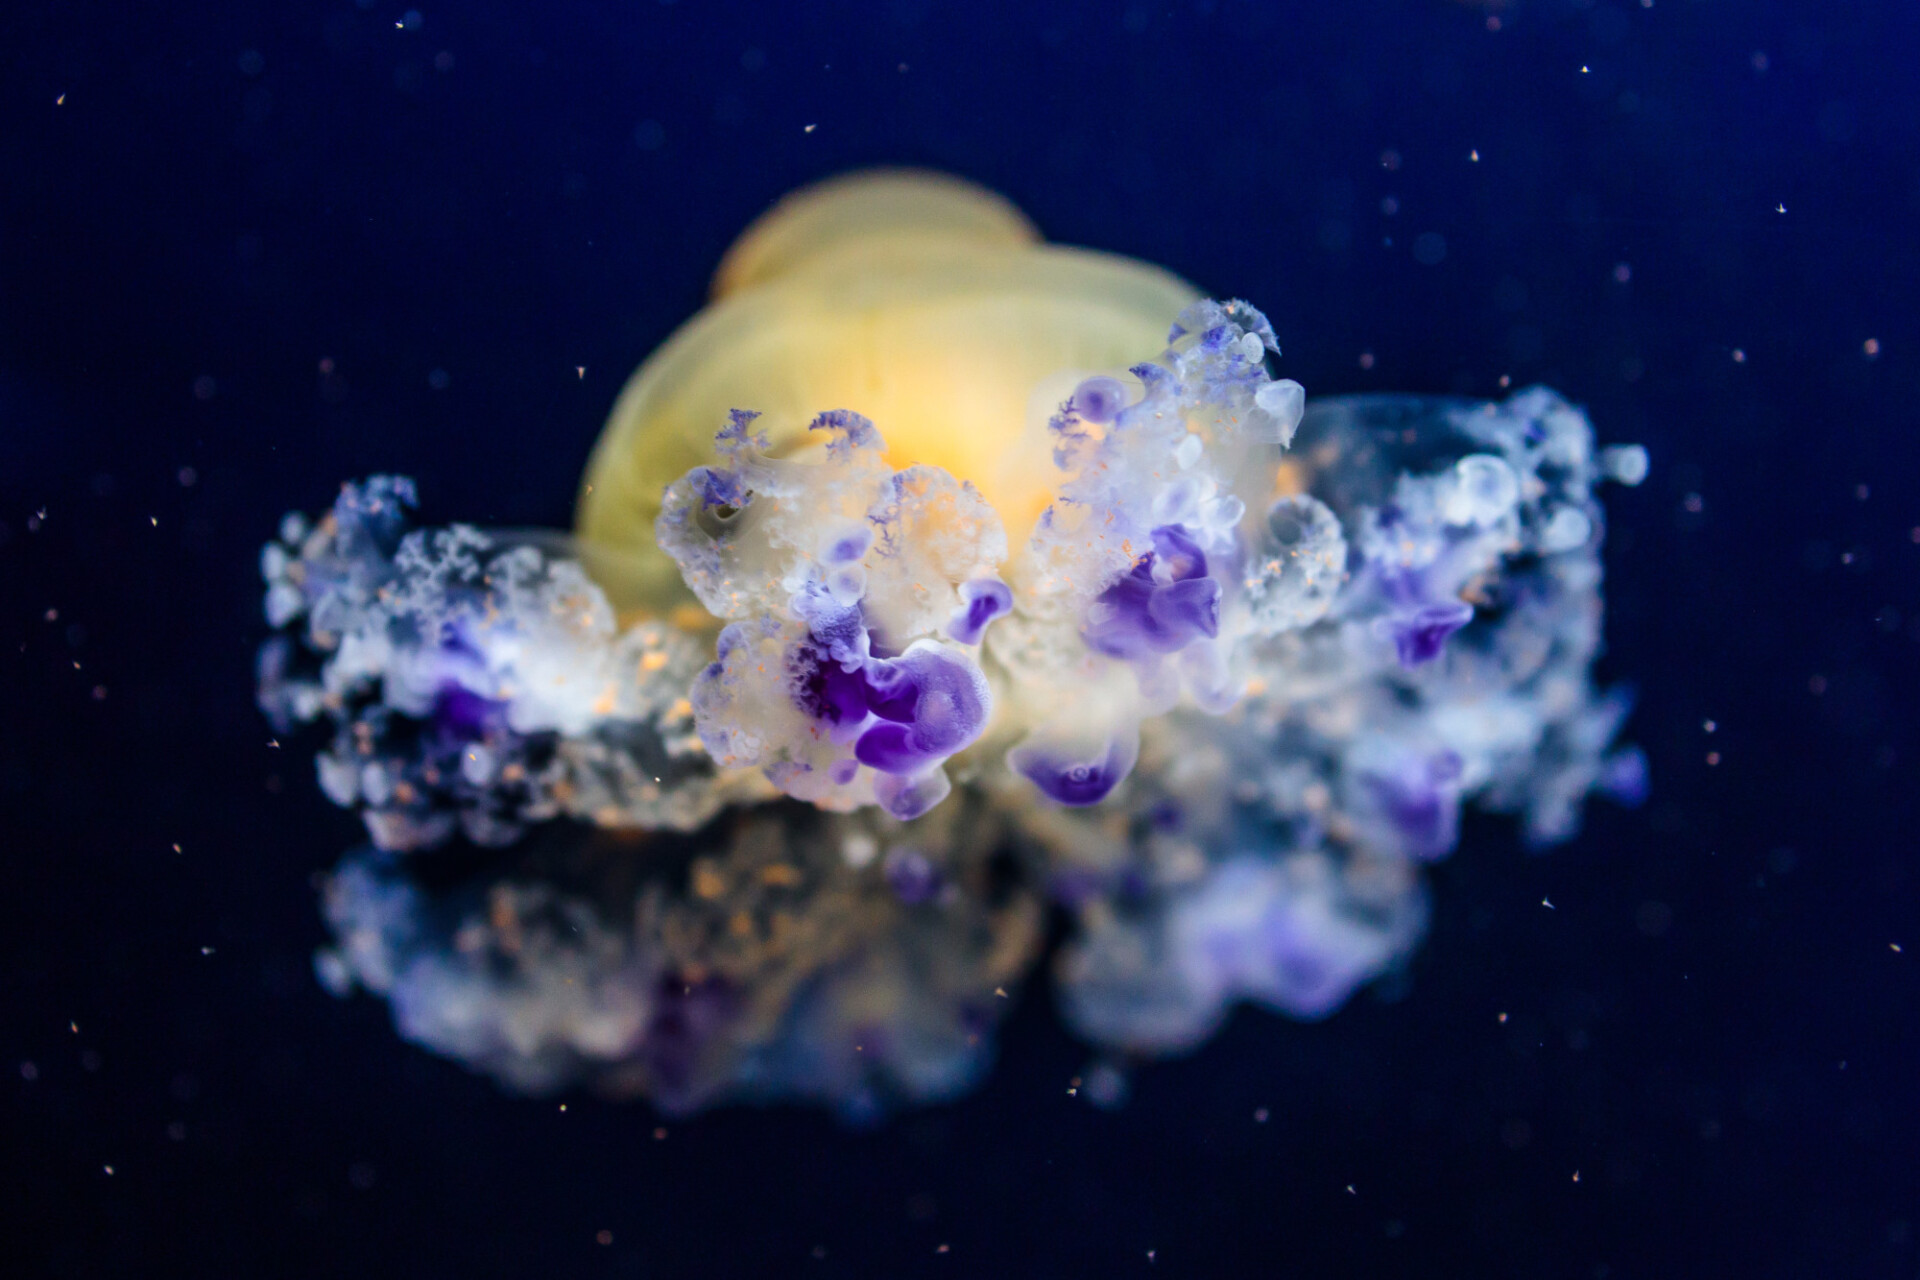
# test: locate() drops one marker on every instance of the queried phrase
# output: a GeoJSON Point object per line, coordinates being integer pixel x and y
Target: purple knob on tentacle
{"type": "Point", "coordinates": [1422, 802]}
{"type": "Point", "coordinates": [912, 877]}
{"type": "Point", "coordinates": [908, 798]}
{"type": "Point", "coordinates": [848, 546]}
{"type": "Point", "coordinates": [984, 600]}
{"type": "Point", "coordinates": [1076, 779]}
{"type": "Point", "coordinates": [463, 715]}
{"type": "Point", "coordinates": [931, 703]}
{"type": "Point", "coordinates": [1162, 604]}
{"type": "Point", "coordinates": [826, 690]}
{"type": "Point", "coordinates": [1099, 399]}
{"type": "Point", "coordinates": [1623, 776]}
{"type": "Point", "coordinates": [1419, 637]}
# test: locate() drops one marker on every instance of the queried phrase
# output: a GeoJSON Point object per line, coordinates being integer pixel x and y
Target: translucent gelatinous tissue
{"type": "Point", "coordinates": [839, 577]}
{"type": "Point", "coordinates": [1221, 701]}
{"type": "Point", "coordinates": [475, 683]}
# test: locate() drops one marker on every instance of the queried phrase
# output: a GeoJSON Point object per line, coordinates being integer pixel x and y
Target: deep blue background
{"type": "Point", "coordinates": [232, 193]}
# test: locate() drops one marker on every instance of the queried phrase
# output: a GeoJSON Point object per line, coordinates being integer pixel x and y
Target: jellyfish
{"type": "Point", "coordinates": [931, 575]}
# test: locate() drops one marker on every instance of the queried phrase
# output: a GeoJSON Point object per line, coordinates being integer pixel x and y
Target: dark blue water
{"type": "Point", "coordinates": [238, 241]}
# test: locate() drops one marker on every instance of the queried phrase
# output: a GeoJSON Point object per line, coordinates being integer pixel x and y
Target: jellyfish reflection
{"type": "Point", "coordinates": [855, 698]}
{"type": "Point", "coordinates": [779, 955]}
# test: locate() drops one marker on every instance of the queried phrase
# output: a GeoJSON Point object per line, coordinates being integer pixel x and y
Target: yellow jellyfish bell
{"type": "Point", "coordinates": [926, 303]}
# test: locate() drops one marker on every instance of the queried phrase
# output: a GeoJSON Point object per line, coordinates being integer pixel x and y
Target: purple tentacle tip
{"type": "Point", "coordinates": [1422, 803]}
{"type": "Point", "coordinates": [1099, 399]}
{"type": "Point", "coordinates": [1419, 637]}
{"type": "Point", "coordinates": [984, 600]}
{"type": "Point", "coordinates": [1623, 776]}
{"type": "Point", "coordinates": [906, 798]}
{"type": "Point", "coordinates": [1163, 603]}
{"type": "Point", "coordinates": [930, 703]}
{"type": "Point", "coordinates": [1071, 779]}
{"type": "Point", "coordinates": [912, 877]}
{"type": "Point", "coordinates": [462, 714]}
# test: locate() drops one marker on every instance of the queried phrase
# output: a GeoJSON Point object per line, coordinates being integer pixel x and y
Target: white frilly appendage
{"type": "Point", "coordinates": [1222, 703]}
{"type": "Point", "coordinates": [476, 682]}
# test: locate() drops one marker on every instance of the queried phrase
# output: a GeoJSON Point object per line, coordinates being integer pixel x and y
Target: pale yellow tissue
{"type": "Point", "coordinates": [925, 303]}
